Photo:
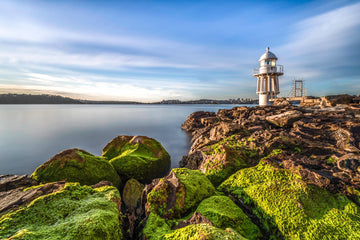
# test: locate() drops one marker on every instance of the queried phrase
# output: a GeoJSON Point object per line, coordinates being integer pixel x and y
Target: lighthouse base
{"type": "Point", "coordinates": [263, 99]}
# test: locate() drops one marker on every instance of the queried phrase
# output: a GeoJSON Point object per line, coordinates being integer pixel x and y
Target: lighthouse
{"type": "Point", "coordinates": [268, 77]}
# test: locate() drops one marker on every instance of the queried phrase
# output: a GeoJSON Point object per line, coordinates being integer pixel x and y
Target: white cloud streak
{"type": "Point", "coordinates": [322, 49]}
{"type": "Point", "coordinates": [325, 32]}
{"type": "Point", "coordinates": [96, 90]}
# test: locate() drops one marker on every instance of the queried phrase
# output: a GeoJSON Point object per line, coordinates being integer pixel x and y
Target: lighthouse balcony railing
{"type": "Point", "coordinates": [269, 69]}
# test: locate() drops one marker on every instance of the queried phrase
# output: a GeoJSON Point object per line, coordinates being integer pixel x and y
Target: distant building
{"type": "Point", "coordinates": [268, 77]}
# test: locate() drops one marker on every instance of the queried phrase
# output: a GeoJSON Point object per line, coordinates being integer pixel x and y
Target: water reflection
{"type": "Point", "coordinates": [31, 134]}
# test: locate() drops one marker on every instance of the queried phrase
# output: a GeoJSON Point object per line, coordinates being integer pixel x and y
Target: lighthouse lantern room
{"type": "Point", "coordinates": [268, 77]}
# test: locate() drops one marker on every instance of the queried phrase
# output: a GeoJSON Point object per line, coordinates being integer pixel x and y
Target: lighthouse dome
{"type": "Point", "coordinates": [267, 55]}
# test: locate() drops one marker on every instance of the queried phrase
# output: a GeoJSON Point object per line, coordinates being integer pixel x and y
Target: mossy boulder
{"type": "Point", "coordinates": [74, 212]}
{"type": "Point", "coordinates": [226, 157]}
{"type": "Point", "coordinates": [21, 196]}
{"type": "Point", "coordinates": [132, 193]}
{"type": "Point", "coordinates": [115, 147]}
{"type": "Point", "coordinates": [203, 231]}
{"type": "Point", "coordinates": [76, 165]}
{"type": "Point", "coordinates": [224, 213]}
{"type": "Point", "coordinates": [178, 193]}
{"type": "Point", "coordinates": [197, 186]}
{"type": "Point", "coordinates": [138, 157]}
{"type": "Point", "coordinates": [167, 198]}
{"type": "Point", "coordinates": [290, 208]}
{"type": "Point", "coordinates": [156, 228]}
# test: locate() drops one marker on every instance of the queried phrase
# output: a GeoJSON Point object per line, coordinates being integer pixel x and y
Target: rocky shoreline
{"type": "Point", "coordinates": [276, 172]}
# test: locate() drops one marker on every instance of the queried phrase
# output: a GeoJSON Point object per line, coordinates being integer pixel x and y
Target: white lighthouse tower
{"type": "Point", "coordinates": [267, 77]}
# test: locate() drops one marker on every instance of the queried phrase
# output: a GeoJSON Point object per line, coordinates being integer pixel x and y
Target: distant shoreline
{"type": "Point", "coordinates": [55, 99]}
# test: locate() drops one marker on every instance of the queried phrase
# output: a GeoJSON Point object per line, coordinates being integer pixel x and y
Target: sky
{"type": "Point", "coordinates": [154, 50]}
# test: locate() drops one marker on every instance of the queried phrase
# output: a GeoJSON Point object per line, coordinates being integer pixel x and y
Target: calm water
{"type": "Point", "coordinates": [31, 134]}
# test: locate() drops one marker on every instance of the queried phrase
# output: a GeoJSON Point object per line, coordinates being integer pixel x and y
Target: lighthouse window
{"type": "Point", "coordinates": [267, 62]}
{"type": "Point", "coordinates": [273, 63]}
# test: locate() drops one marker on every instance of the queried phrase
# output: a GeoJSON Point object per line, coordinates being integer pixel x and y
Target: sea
{"type": "Point", "coordinates": [31, 134]}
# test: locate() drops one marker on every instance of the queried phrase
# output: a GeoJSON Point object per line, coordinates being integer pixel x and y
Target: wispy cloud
{"type": "Point", "coordinates": [81, 88]}
{"type": "Point", "coordinates": [326, 32]}
{"type": "Point", "coordinates": [324, 49]}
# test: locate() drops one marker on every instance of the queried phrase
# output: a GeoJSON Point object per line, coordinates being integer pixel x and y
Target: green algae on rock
{"type": "Point", "coordinates": [354, 195]}
{"type": "Point", "coordinates": [138, 157]}
{"type": "Point", "coordinates": [203, 231]}
{"type": "Point", "coordinates": [74, 212]}
{"type": "Point", "coordinates": [226, 157]}
{"type": "Point", "coordinates": [197, 186]}
{"type": "Point", "coordinates": [167, 198]}
{"type": "Point", "coordinates": [115, 146]}
{"type": "Point", "coordinates": [224, 213]}
{"type": "Point", "coordinates": [76, 165]}
{"type": "Point", "coordinates": [290, 208]}
{"type": "Point", "coordinates": [182, 190]}
{"type": "Point", "coordinates": [132, 193]}
{"type": "Point", "coordinates": [156, 227]}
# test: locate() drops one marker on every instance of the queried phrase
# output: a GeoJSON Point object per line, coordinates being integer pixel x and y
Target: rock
{"type": "Point", "coordinates": [165, 194]}
{"type": "Point", "coordinates": [71, 212]}
{"type": "Point", "coordinates": [8, 182]}
{"type": "Point", "coordinates": [196, 218]}
{"type": "Point", "coordinates": [192, 161]}
{"type": "Point", "coordinates": [333, 100]}
{"type": "Point", "coordinates": [255, 128]}
{"type": "Point", "coordinates": [356, 100]}
{"type": "Point", "coordinates": [291, 208]}
{"type": "Point", "coordinates": [354, 195]}
{"type": "Point", "coordinates": [344, 140]}
{"type": "Point", "coordinates": [200, 142]}
{"type": "Point", "coordinates": [224, 213]}
{"type": "Point", "coordinates": [349, 163]}
{"type": "Point", "coordinates": [343, 176]}
{"type": "Point", "coordinates": [102, 184]}
{"type": "Point", "coordinates": [134, 211]}
{"type": "Point", "coordinates": [283, 141]}
{"type": "Point", "coordinates": [310, 102]}
{"type": "Point", "coordinates": [115, 146]}
{"type": "Point", "coordinates": [285, 119]}
{"type": "Point", "coordinates": [206, 121]}
{"type": "Point", "coordinates": [320, 180]}
{"type": "Point", "coordinates": [138, 157]}
{"type": "Point", "coordinates": [324, 102]}
{"type": "Point", "coordinates": [76, 165]}
{"type": "Point", "coordinates": [132, 193]}
{"type": "Point", "coordinates": [225, 158]}
{"type": "Point", "coordinates": [177, 193]}
{"type": "Point", "coordinates": [203, 231]}
{"type": "Point", "coordinates": [194, 120]}
{"type": "Point", "coordinates": [15, 198]}
{"type": "Point", "coordinates": [223, 130]}
{"type": "Point", "coordinates": [281, 102]}
{"type": "Point", "coordinates": [155, 228]}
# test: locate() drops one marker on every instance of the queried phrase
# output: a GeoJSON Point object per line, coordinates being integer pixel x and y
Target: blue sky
{"type": "Point", "coordinates": [154, 50]}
